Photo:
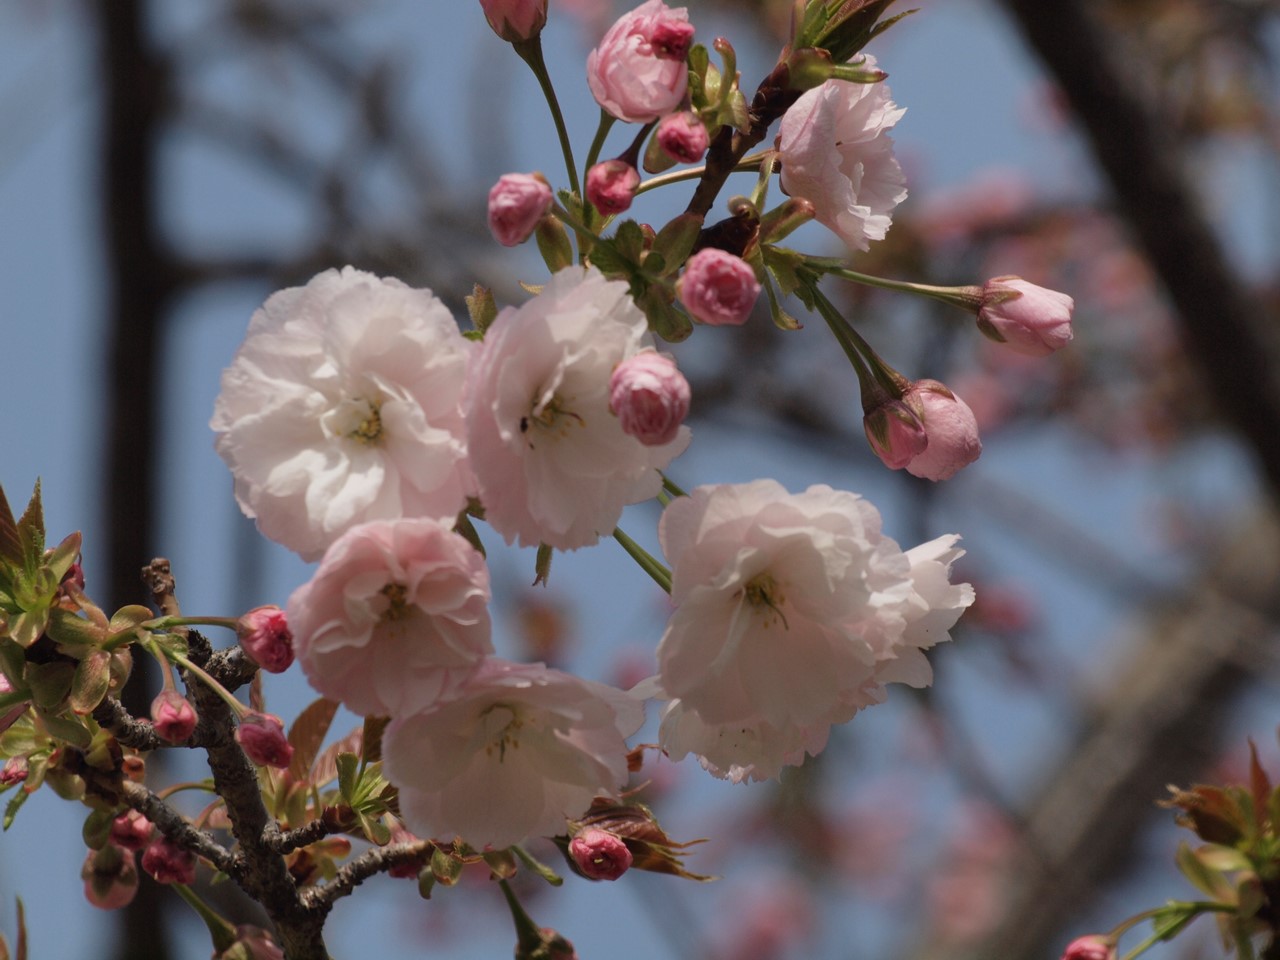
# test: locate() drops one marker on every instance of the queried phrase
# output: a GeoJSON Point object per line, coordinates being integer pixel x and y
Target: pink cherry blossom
{"type": "Point", "coordinates": [638, 71]}
{"type": "Point", "coordinates": [110, 877]}
{"type": "Point", "coordinates": [516, 752]}
{"type": "Point", "coordinates": [261, 736]}
{"type": "Point", "coordinates": [951, 428]}
{"type": "Point", "coordinates": [396, 614]}
{"type": "Point", "coordinates": [167, 862]}
{"type": "Point", "coordinates": [173, 716]}
{"type": "Point", "coordinates": [600, 855]}
{"type": "Point", "coordinates": [612, 185]}
{"type": "Point", "coordinates": [792, 613]}
{"type": "Point", "coordinates": [517, 202]}
{"type": "Point", "coordinates": [553, 464]}
{"type": "Point", "coordinates": [650, 397]}
{"type": "Point", "coordinates": [718, 288]}
{"type": "Point", "coordinates": [342, 405]}
{"type": "Point", "coordinates": [896, 433]}
{"type": "Point", "coordinates": [683, 136]}
{"type": "Point", "coordinates": [1092, 947]}
{"type": "Point", "coordinates": [515, 20]}
{"type": "Point", "coordinates": [835, 153]}
{"type": "Point", "coordinates": [1029, 319]}
{"type": "Point", "coordinates": [265, 636]}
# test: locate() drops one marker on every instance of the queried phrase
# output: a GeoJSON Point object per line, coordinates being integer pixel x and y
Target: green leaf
{"type": "Point", "coordinates": [348, 777]}
{"type": "Point", "coordinates": [325, 768]}
{"type": "Point", "coordinates": [1202, 876]}
{"type": "Point", "coordinates": [444, 867]}
{"type": "Point", "coordinates": [375, 829]}
{"type": "Point", "coordinates": [64, 555]}
{"type": "Point", "coordinates": [66, 729]}
{"type": "Point", "coordinates": [373, 729]}
{"type": "Point", "coordinates": [31, 532]}
{"type": "Point", "coordinates": [10, 543]}
{"type": "Point", "coordinates": [72, 630]}
{"type": "Point", "coordinates": [89, 686]}
{"type": "Point", "coordinates": [50, 683]}
{"type": "Point", "coordinates": [12, 660]}
{"type": "Point", "coordinates": [630, 241]}
{"type": "Point", "coordinates": [606, 258]}
{"type": "Point", "coordinates": [426, 881]}
{"type": "Point", "coordinates": [307, 734]}
{"type": "Point", "coordinates": [664, 319]}
{"type": "Point", "coordinates": [538, 867]}
{"type": "Point", "coordinates": [12, 808]}
{"type": "Point", "coordinates": [26, 627]}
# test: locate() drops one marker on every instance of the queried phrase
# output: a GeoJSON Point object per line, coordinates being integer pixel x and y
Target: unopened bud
{"type": "Point", "coordinates": [261, 736]}
{"type": "Point", "coordinates": [265, 636]}
{"type": "Point", "coordinates": [517, 203]}
{"type": "Point", "coordinates": [515, 20]}
{"type": "Point", "coordinates": [600, 855]}
{"type": "Point", "coordinates": [1029, 319]}
{"type": "Point", "coordinates": [131, 830]}
{"type": "Point", "coordinates": [110, 877]}
{"type": "Point", "coordinates": [612, 185]}
{"type": "Point", "coordinates": [718, 288]}
{"type": "Point", "coordinates": [895, 433]}
{"type": "Point", "coordinates": [166, 862]}
{"type": "Point", "coordinates": [1092, 947]}
{"type": "Point", "coordinates": [173, 717]}
{"type": "Point", "coordinates": [683, 136]}
{"type": "Point", "coordinates": [650, 397]}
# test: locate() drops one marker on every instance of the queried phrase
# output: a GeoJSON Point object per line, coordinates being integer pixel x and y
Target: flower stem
{"type": "Point", "coordinates": [670, 486]}
{"type": "Point", "coordinates": [222, 933]}
{"type": "Point", "coordinates": [967, 298]}
{"type": "Point", "coordinates": [164, 624]}
{"type": "Point", "coordinates": [607, 121]}
{"type": "Point", "coordinates": [530, 52]}
{"type": "Point", "coordinates": [660, 574]}
{"type": "Point", "coordinates": [236, 706]}
{"type": "Point", "coordinates": [528, 935]}
{"type": "Point", "coordinates": [745, 165]}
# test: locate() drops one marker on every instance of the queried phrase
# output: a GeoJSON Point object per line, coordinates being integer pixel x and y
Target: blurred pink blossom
{"type": "Point", "coordinates": [517, 203]}
{"type": "Point", "coordinates": [612, 185]}
{"type": "Point", "coordinates": [167, 862]}
{"type": "Point", "coordinates": [718, 288]}
{"type": "Point", "coordinates": [515, 20]}
{"type": "Point", "coordinates": [650, 397]}
{"type": "Point", "coordinates": [264, 635]}
{"type": "Point", "coordinates": [951, 427]}
{"type": "Point", "coordinates": [261, 736]}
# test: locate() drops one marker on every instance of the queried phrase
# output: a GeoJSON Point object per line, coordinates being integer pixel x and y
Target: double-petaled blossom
{"type": "Point", "coordinates": [341, 406]}
{"type": "Point", "coordinates": [835, 152]}
{"type": "Point", "coordinates": [396, 614]}
{"type": "Point", "coordinates": [265, 636]}
{"type": "Point", "coordinates": [650, 397]}
{"type": "Point", "coordinates": [516, 751]}
{"type": "Point", "coordinates": [950, 426]}
{"type": "Point", "coordinates": [612, 185]}
{"type": "Point", "coordinates": [517, 203]}
{"type": "Point", "coordinates": [131, 830]}
{"type": "Point", "coordinates": [638, 72]}
{"type": "Point", "coordinates": [683, 136]}
{"type": "Point", "coordinates": [1027, 318]}
{"type": "Point", "coordinates": [167, 862]}
{"type": "Point", "coordinates": [515, 20]}
{"type": "Point", "coordinates": [554, 465]}
{"type": "Point", "coordinates": [599, 854]}
{"type": "Point", "coordinates": [718, 288]}
{"type": "Point", "coordinates": [792, 613]}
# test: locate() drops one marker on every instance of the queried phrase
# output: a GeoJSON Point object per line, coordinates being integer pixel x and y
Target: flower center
{"type": "Point", "coordinates": [356, 418]}
{"type": "Point", "coordinates": [397, 608]}
{"type": "Point", "coordinates": [552, 419]}
{"type": "Point", "coordinates": [765, 594]}
{"type": "Point", "coordinates": [502, 724]}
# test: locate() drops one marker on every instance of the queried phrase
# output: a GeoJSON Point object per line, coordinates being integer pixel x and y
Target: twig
{"type": "Point", "coordinates": [175, 826]}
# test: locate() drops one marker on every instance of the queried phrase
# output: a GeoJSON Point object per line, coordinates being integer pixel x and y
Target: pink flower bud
{"type": "Point", "coordinates": [131, 830]}
{"type": "Point", "coordinates": [951, 429]}
{"type": "Point", "coordinates": [173, 716]}
{"type": "Point", "coordinates": [166, 862]}
{"type": "Point", "coordinates": [718, 288]}
{"type": "Point", "coordinates": [895, 433]}
{"type": "Point", "coordinates": [517, 203]}
{"type": "Point", "coordinates": [638, 72]}
{"type": "Point", "coordinates": [611, 186]}
{"type": "Point", "coordinates": [600, 855]}
{"type": "Point", "coordinates": [1092, 947]}
{"type": "Point", "coordinates": [110, 877]}
{"type": "Point", "coordinates": [683, 136]}
{"type": "Point", "coordinates": [1025, 317]}
{"type": "Point", "coordinates": [650, 397]}
{"type": "Point", "coordinates": [14, 771]}
{"type": "Point", "coordinates": [264, 635]}
{"type": "Point", "coordinates": [261, 736]}
{"type": "Point", "coordinates": [515, 20]}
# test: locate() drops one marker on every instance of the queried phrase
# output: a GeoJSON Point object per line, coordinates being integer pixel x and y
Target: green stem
{"type": "Point", "coordinates": [744, 165]}
{"type": "Point", "coordinates": [660, 574]}
{"type": "Point", "coordinates": [237, 708]}
{"type": "Point", "coordinates": [583, 231]}
{"type": "Point", "coordinates": [164, 624]}
{"type": "Point", "coordinates": [530, 52]}
{"type": "Point", "coordinates": [607, 120]}
{"type": "Point", "coordinates": [671, 486]}
{"type": "Point", "coordinates": [528, 935]}
{"type": "Point", "coordinates": [221, 932]}
{"type": "Point", "coordinates": [967, 298]}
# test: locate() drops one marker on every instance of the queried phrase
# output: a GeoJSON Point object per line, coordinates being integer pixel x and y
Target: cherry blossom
{"type": "Point", "coordinates": [396, 613]}
{"type": "Point", "coordinates": [792, 613]}
{"type": "Point", "coordinates": [554, 465]}
{"type": "Point", "coordinates": [836, 153]}
{"type": "Point", "coordinates": [1027, 318]}
{"type": "Point", "coordinates": [517, 751]}
{"type": "Point", "coordinates": [342, 405]}
{"type": "Point", "coordinates": [638, 71]}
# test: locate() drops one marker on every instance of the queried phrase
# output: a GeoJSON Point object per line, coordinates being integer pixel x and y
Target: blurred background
{"type": "Point", "coordinates": [164, 166]}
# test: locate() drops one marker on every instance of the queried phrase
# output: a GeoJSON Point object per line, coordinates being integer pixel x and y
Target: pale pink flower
{"type": "Point", "coordinates": [683, 136]}
{"type": "Point", "coordinates": [261, 736]}
{"type": "Point", "coordinates": [517, 751]}
{"type": "Point", "coordinates": [792, 613]}
{"type": "Point", "coordinates": [718, 288]}
{"type": "Point", "coordinates": [638, 72]}
{"type": "Point", "coordinates": [836, 154]}
{"type": "Point", "coordinates": [599, 854]}
{"type": "Point", "coordinates": [612, 185]}
{"type": "Point", "coordinates": [110, 877]}
{"type": "Point", "coordinates": [951, 427]}
{"type": "Point", "coordinates": [553, 464]}
{"type": "Point", "coordinates": [166, 862]}
{"type": "Point", "coordinates": [396, 614]}
{"type": "Point", "coordinates": [650, 397]}
{"type": "Point", "coordinates": [515, 20]}
{"type": "Point", "coordinates": [517, 203]}
{"type": "Point", "coordinates": [173, 716]}
{"type": "Point", "coordinates": [343, 405]}
{"type": "Point", "coordinates": [1029, 319]}
{"type": "Point", "coordinates": [265, 636]}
